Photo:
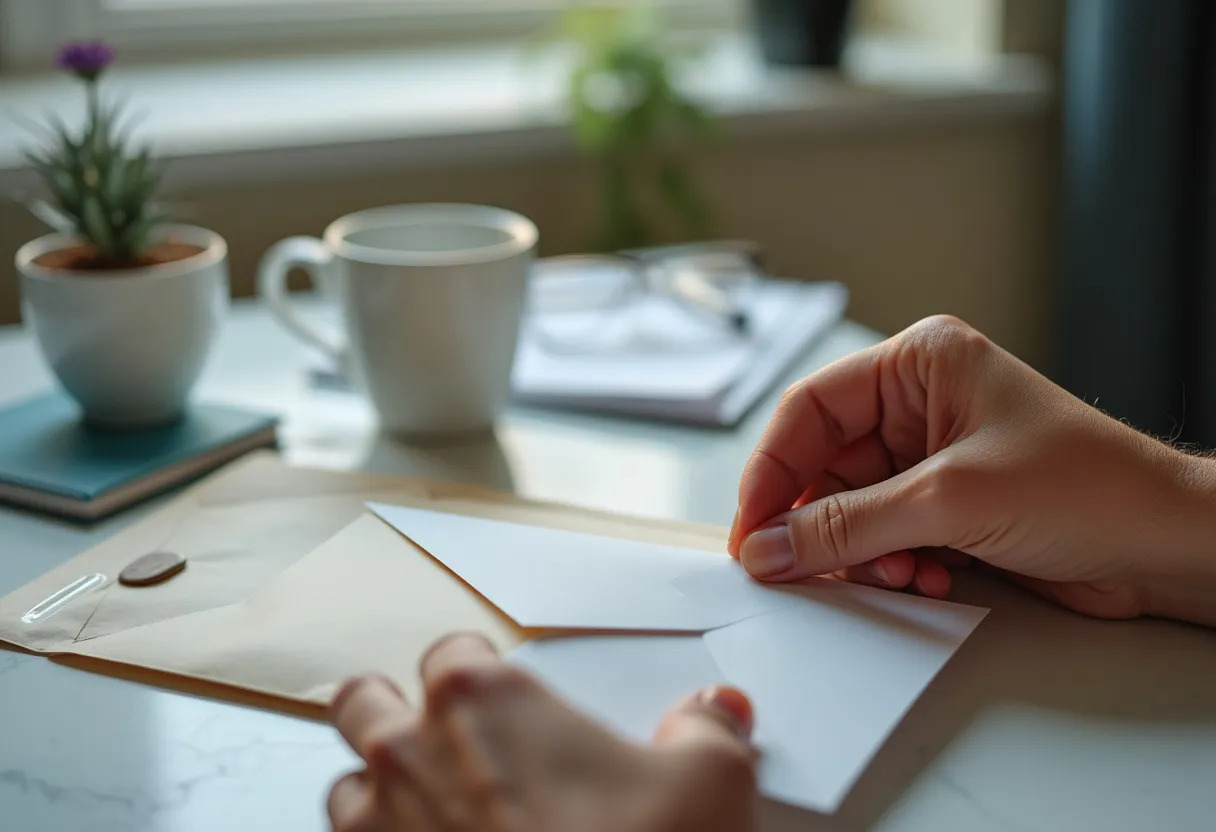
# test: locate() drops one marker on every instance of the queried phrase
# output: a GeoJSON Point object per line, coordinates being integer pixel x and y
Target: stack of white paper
{"type": "Point", "coordinates": [674, 367]}
{"type": "Point", "coordinates": [831, 667]}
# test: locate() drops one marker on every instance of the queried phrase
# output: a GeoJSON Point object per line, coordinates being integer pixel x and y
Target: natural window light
{"type": "Point", "coordinates": [29, 29]}
{"type": "Point", "coordinates": [277, 82]}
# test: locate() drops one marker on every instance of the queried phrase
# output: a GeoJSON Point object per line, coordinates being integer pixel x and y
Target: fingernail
{"type": "Point", "coordinates": [768, 552]}
{"type": "Point", "coordinates": [734, 704]}
{"type": "Point", "coordinates": [879, 571]}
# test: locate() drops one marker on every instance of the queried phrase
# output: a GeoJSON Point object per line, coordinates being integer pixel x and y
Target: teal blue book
{"type": "Point", "coordinates": [51, 461]}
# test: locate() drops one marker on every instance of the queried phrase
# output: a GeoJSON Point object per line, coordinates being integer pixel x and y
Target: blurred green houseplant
{"type": "Point", "coordinates": [627, 112]}
{"type": "Point", "coordinates": [99, 186]}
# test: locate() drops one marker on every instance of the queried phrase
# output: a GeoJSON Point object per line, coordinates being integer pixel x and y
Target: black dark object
{"type": "Point", "coordinates": [802, 32]}
{"type": "Point", "coordinates": [1138, 285]}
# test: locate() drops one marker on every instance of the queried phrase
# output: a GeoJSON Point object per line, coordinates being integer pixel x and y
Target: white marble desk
{"type": "Point", "coordinates": [1044, 721]}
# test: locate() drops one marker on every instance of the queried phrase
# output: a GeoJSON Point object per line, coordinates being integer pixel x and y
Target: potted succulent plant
{"type": "Point", "coordinates": [123, 303]}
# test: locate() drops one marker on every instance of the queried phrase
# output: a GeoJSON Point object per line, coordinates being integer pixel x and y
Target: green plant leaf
{"type": "Point", "coordinates": [124, 126]}
{"type": "Point", "coordinates": [676, 186]}
{"type": "Point", "coordinates": [144, 188]}
{"type": "Point", "coordinates": [62, 133]}
{"type": "Point", "coordinates": [592, 126]}
{"type": "Point", "coordinates": [44, 133]}
{"type": "Point", "coordinates": [138, 169]}
{"type": "Point", "coordinates": [39, 162]}
{"type": "Point", "coordinates": [51, 215]}
{"type": "Point", "coordinates": [57, 180]}
{"type": "Point", "coordinates": [624, 226]}
{"type": "Point", "coordinates": [115, 182]}
{"type": "Point", "coordinates": [103, 190]}
{"type": "Point", "coordinates": [97, 227]}
{"type": "Point", "coordinates": [696, 120]}
{"type": "Point", "coordinates": [138, 234]}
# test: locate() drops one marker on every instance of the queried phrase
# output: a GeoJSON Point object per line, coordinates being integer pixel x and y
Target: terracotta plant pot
{"type": "Point", "coordinates": [127, 344]}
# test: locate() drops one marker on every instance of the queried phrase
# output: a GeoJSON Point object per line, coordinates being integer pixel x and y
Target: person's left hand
{"type": "Point", "coordinates": [494, 750]}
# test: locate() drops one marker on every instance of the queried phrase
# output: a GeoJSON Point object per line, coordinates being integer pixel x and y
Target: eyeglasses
{"type": "Point", "coordinates": [674, 298]}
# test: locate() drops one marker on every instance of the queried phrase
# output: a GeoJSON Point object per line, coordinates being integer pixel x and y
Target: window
{"type": "Point", "coordinates": [30, 29]}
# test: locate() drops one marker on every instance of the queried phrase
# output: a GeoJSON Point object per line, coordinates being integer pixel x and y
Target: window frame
{"type": "Point", "coordinates": [31, 29]}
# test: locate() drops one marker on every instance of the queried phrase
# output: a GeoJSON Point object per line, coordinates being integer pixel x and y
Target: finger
{"type": "Point", "coordinates": [353, 684]}
{"type": "Point", "coordinates": [716, 715]}
{"type": "Point", "coordinates": [844, 530]}
{"type": "Point", "coordinates": [891, 571]}
{"type": "Point", "coordinates": [860, 463]}
{"type": "Point", "coordinates": [369, 712]}
{"type": "Point", "coordinates": [402, 799]}
{"type": "Point", "coordinates": [352, 804]}
{"type": "Point", "coordinates": [949, 558]}
{"type": "Point", "coordinates": [814, 491]}
{"type": "Point", "coordinates": [456, 651]}
{"type": "Point", "coordinates": [932, 579]}
{"type": "Point", "coordinates": [360, 802]}
{"type": "Point", "coordinates": [816, 419]}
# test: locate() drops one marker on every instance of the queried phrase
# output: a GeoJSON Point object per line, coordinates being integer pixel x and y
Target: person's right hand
{"type": "Point", "coordinates": [937, 446]}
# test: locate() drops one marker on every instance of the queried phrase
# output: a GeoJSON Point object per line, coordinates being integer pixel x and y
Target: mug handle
{"type": "Point", "coordinates": [306, 253]}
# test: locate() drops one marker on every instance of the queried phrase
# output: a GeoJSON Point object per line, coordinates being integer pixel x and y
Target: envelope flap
{"type": "Point", "coordinates": [244, 523]}
{"type": "Point", "coordinates": [232, 549]}
{"type": "Point", "coordinates": [364, 600]}
{"type": "Point", "coordinates": [557, 578]}
{"type": "Point", "coordinates": [107, 558]}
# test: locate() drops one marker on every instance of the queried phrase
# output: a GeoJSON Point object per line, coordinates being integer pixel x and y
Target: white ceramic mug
{"type": "Point", "coordinates": [431, 298]}
{"type": "Point", "coordinates": [127, 345]}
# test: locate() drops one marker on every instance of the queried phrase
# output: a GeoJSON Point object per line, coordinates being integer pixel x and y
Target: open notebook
{"type": "Point", "coordinates": [674, 367]}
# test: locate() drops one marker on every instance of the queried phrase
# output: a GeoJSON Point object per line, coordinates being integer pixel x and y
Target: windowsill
{"type": "Point", "coordinates": [276, 117]}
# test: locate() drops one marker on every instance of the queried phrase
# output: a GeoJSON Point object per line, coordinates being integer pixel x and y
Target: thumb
{"type": "Point", "coordinates": [839, 531]}
{"type": "Point", "coordinates": [714, 716]}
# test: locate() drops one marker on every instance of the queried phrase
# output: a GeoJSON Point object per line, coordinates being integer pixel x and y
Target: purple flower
{"type": "Point", "coordinates": [84, 59]}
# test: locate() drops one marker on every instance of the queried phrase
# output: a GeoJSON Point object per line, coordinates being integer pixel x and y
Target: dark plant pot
{"type": "Point", "coordinates": [802, 32]}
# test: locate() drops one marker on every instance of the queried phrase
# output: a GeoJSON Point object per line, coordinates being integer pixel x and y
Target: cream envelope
{"type": "Point", "coordinates": [292, 586]}
{"type": "Point", "coordinates": [245, 531]}
{"type": "Point", "coordinates": [234, 542]}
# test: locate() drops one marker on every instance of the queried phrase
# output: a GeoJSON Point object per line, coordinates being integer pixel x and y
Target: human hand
{"type": "Point", "coordinates": [493, 750]}
{"type": "Point", "coordinates": [904, 460]}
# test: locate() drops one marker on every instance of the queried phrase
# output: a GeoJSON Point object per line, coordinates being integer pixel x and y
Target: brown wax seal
{"type": "Point", "coordinates": [152, 569]}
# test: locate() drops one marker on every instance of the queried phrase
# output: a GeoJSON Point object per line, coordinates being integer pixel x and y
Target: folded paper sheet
{"type": "Point", "coordinates": [831, 667]}
{"type": "Point", "coordinates": [292, 587]}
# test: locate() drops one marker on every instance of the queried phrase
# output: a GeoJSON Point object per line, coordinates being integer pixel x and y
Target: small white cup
{"type": "Point", "coordinates": [127, 345]}
{"type": "Point", "coordinates": [431, 296]}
